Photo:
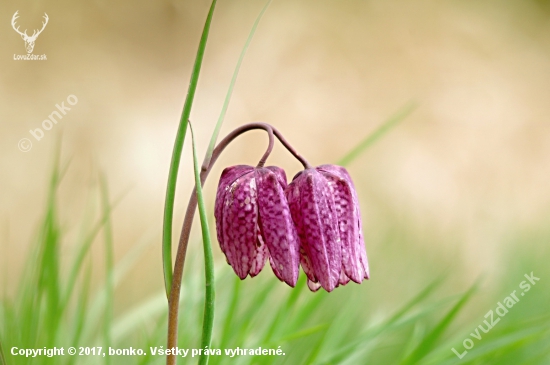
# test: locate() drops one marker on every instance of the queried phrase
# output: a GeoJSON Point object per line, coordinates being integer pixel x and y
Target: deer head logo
{"type": "Point", "coordinates": [29, 40]}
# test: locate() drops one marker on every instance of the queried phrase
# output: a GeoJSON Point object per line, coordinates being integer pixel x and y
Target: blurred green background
{"type": "Point", "coordinates": [456, 194]}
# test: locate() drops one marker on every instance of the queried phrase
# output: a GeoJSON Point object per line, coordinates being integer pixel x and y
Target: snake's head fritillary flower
{"type": "Point", "coordinates": [253, 222]}
{"type": "Point", "coordinates": [325, 209]}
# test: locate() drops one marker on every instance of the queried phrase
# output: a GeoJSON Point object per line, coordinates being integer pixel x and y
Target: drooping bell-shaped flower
{"type": "Point", "coordinates": [253, 222]}
{"type": "Point", "coordinates": [325, 209]}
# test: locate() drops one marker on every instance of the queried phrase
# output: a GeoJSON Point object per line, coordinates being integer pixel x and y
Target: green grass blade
{"type": "Point", "coordinates": [208, 321]}
{"type": "Point", "coordinates": [127, 324]}
{"type": "Point", "coordinates": [229, 316]}
{"type": "Point", "coordinates": [377, 134]}
{"type": "Point", "coordinates": [501, 344]}
{"type": "Point", "coordinates": [120, 271]}
{"type": "Point", "coordinates": [47, 275]}
{"type": "Point", "coordinates": [392, 322]}
{"type": "Point", "coordinates": [83, 301]}
{"type": "Point", "coordinates": [109, 266]}
{"type": "Point", "coordinates": [417, 299]}
{"type": "Point", "coordinates": [216, 132]}
{"type": "Point", "coordinates": [84, 248]}
{"type": "Point", "coordinates": [303, 333]}
{"type": "Point", "coordinates": [427, 344]}
{"type": "Point", "coordinates": [2, 358]}
{"type": "Point", "coordinates": [176, 156]}
{"type": "Point", "coordinates": [278, 320]}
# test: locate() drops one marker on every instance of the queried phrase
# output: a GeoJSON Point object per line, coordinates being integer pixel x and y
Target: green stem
{"type": "Point", "coordinates": [176, 157]}
{"type": "Point", "coordinates": [210, 295]}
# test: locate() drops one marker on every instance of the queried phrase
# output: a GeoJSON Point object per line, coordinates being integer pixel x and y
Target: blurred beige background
{"type": "Point", "coordinates": [471, 163]}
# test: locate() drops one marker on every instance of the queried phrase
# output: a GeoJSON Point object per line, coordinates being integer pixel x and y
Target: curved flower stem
{"type": "Point", "coordinates": [287, 145]}
{"type": "Point", "coordinates": [173, 300]}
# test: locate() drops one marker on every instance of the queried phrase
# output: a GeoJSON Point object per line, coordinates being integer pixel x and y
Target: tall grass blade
{"type": "Point", "coordinates": [45, 301]}
{"type": "Point", "coordinates": [176, 156]}
{"type": "Point", "coordinates": [216, 132]}
{"type": "Point", "coordinates": [501, 345]}
{"type": "Point", "coordinates": [83, 302]}
{"type": "Point", "coordinates": [83, 250]}
{"type": "Point", "coordinates": [377, 134]}
{"type": "Point", "coordinates": [426, 345]}
{"type": "Point", "coordinates": [229, 316]}
{"type": "Point", "coordinates": [278, 320]}
{"type": "Point", "coordinates": [2, 358]}
{"type": "Point", "coordinates": [126, 325]}
{"type": "Point", "coordinates": [109, 266]}
{"type": "Point", "coordinates": [208, 321]}
{"type": "Point", "coordinates": [344, 351]}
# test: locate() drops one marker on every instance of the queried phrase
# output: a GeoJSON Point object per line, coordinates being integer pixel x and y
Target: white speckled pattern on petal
{"type": "Point", "coordinates": [276, 225]}
{"type": "Point", "coordinates": [313, 210]}
{"type": "Point", "coordinates": [240, 223]}
{"type": "Point", "coordinates": [349, 215]}
{"type": "Point", "coordinates": [253, 222]}
{"type": "Point", "coordinates": [228, 177]}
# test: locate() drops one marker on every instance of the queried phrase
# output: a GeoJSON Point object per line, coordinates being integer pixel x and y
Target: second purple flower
{"type": "Point", "coordinates": [325, 209]}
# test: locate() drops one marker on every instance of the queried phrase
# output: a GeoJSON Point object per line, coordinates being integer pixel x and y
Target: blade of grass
{"type": "Point", "coordinates": [148, 309]}
{"type": "Point", "coordinates": [235, 296]}
{"type": "Point", "coordinates": [218, 126]}
{"type": "Point", "coordinates": [377, 134]}
{"type": "Point", "coordinates": [120, 270]}
{"type": "Point", "coordinates": [303, 333]}
{"type": "Point", "coordinates": [251, 312]}
{"type": "Point", "coordinates": [278, 319]}
{"type": "Point", "coordinates": [176, 156]}
{"type": "Point", "coordinates": [338, 356]}
{"type": "Point", "coordinates": [208, 321]}
{"type": "Point", "coordinates": [429, 341]}
{"type": "Point", "coordinates": [523, 333]}
{"type": "Point", "coordinates": [81, 310]}
{"type": "Point", "coordinates": [43, 291]}
{"type": "Point", "coordinates": [84, 248]}
{"type": "Point", "coordinates": [109, 265]}
{"type": "Point", "coordinates": [419, 298]}
{"type": "Point", "coordinates": [2, 358]}
{"type": "Point", "coordinates": [313, 304]}
{"type": "Point", "coordinates": [337, 325]}
{"type": "Point", "coordinates": [486, 350]}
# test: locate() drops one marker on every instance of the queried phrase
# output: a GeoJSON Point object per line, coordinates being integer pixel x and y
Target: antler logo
{"type": "Point", "coordinates": [29, 41]}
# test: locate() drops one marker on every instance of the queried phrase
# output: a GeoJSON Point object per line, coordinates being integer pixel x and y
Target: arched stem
{"type": "Point", "coordinates": [287, 145]}
{"type": "Point", "coordinates": [173, 300]}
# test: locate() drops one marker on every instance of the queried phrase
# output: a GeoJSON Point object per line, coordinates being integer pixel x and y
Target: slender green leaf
{"type": "Point", "coordinates": [429, 341]}
{"type": "Point", "coordinates": [176, 156]}
{"type": "Point", "coordinates": [377, 134]}
{"type": "Point", "coordinates": [229, 316]}
{"type": "Point", "coordinates": [208, 321]}
{"type": "Point", "coordinates": [109, 265]}
{"type": "Point", "coordinates": [83, 302]}
{"type": "Point", "coordinates": [83, 250]}
{"type": "Point", "coordinates": [2, 358]}
{"type": "Point", "coordinates": [218, 126]}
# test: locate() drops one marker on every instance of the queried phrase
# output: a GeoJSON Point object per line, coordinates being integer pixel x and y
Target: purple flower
{"type": "Point", "coordinates": [253, 222]}
{"type": "Point", "coordinates": [325, 210]}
